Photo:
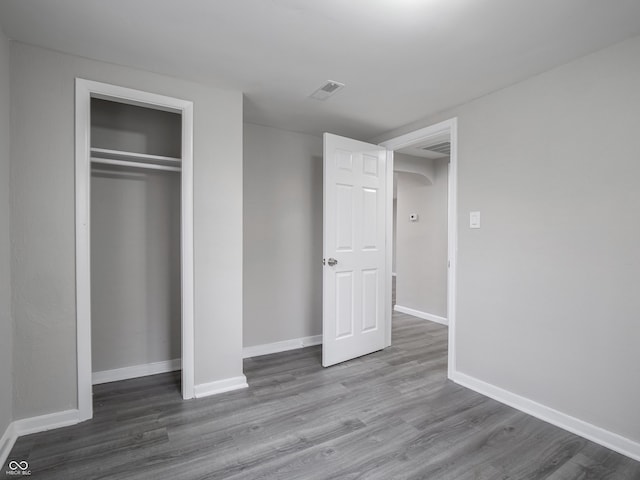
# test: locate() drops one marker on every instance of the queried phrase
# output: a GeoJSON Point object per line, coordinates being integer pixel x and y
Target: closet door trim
{"type": "Point", "coordinates": [85, 90]}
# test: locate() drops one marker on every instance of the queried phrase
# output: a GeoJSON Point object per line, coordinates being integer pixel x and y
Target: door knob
{"type": "Point", "coordinates": [332, 262]}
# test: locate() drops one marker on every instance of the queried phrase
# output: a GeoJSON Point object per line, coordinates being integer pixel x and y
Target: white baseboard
{"type": "Point", "coordinates": [584, 429]}
{"type": "Point", "coordinates": [220, 386]}
{"type": "Point", "coordinates": [43, 423]}
{"type": "Point", "coordinates": [7, 441]}
{"type": "Point", "coordinates": [423, 315]}
{"type": "Point", "coordinates": [277, 347]}
{"type": "Point", "coordinates": [135, 371]}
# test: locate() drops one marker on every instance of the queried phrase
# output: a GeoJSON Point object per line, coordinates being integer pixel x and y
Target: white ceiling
{"type": "Point", "coordinates": [401, 60]}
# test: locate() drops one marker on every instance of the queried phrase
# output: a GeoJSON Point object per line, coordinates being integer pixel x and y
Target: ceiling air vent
{"type": "Point", "coordinates": [443, 148]}
{"type": "Point", "coordinates": [326, 90]}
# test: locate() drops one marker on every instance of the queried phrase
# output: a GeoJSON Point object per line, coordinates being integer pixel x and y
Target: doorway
{"type": "Point", "coordinates": [420, 229]}
{"type": "Point", "coordinates": [127, 163]}
{"type": "Point", "coordinates": [442, 136]}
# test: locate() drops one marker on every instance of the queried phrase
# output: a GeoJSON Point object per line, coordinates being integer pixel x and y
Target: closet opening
{"type": "Point", "coordinates": [135, 241]}
{"type": "Point", "coordinates": [134, 238]}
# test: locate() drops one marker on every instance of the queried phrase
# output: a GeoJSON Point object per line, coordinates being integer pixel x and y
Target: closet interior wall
{"type": "Point", "coordinates": [135, 240]}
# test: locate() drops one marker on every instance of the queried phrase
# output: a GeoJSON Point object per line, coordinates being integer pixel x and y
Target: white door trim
{"type": "Point", "coordinates": [85, 89]}
{"type": "Point", "coordinates": [451, 127]}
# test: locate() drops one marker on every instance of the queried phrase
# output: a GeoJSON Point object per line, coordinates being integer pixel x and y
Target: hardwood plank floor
{"type": "Point", "coordinates": [389, 415]}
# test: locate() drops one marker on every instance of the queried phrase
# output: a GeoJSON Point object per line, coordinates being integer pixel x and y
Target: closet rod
{"type": "Point", "coordinates": [124, 163]}
{"type": "Point", "coordinates": [121, 173]}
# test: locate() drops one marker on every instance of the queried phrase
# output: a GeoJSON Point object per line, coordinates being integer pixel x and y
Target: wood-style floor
{"type": "Point", "coordinates": [389, 415]}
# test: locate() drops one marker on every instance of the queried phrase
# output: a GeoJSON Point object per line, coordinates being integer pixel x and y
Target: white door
{"type": "Point", "coordinates": [354, 278]}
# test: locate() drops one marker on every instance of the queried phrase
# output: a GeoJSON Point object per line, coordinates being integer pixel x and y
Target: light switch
{"type": "Point", "coordinates": [474, 219]}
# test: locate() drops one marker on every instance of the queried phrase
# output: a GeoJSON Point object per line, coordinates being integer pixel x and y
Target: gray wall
{"type": "Point", "coordinates": [548, 302]}
{"type": "Point", "coordinates": [135, 268]}
{"type": "Point", "coordinates": [412, 164]}
{"type": "Point", "coordinates": [6, 325]}
{"type": "Point", "coordinates": [421, 247]}
{"type": "Point", "coordinates": [283, 235]}
{"type": "Point", "coordinates": [130, 128]}
{"type": "Point", "coordinates": [42, 223]}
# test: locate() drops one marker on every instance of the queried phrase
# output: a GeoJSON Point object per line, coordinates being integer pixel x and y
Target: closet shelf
{"type": "Point", "coordinates": [133, 156]}
{"type": "Point", "coordinates": [133, 159]}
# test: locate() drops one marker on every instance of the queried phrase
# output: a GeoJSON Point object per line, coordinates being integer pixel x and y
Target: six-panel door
{"type": "Point", "coordinates": [354, 235]}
